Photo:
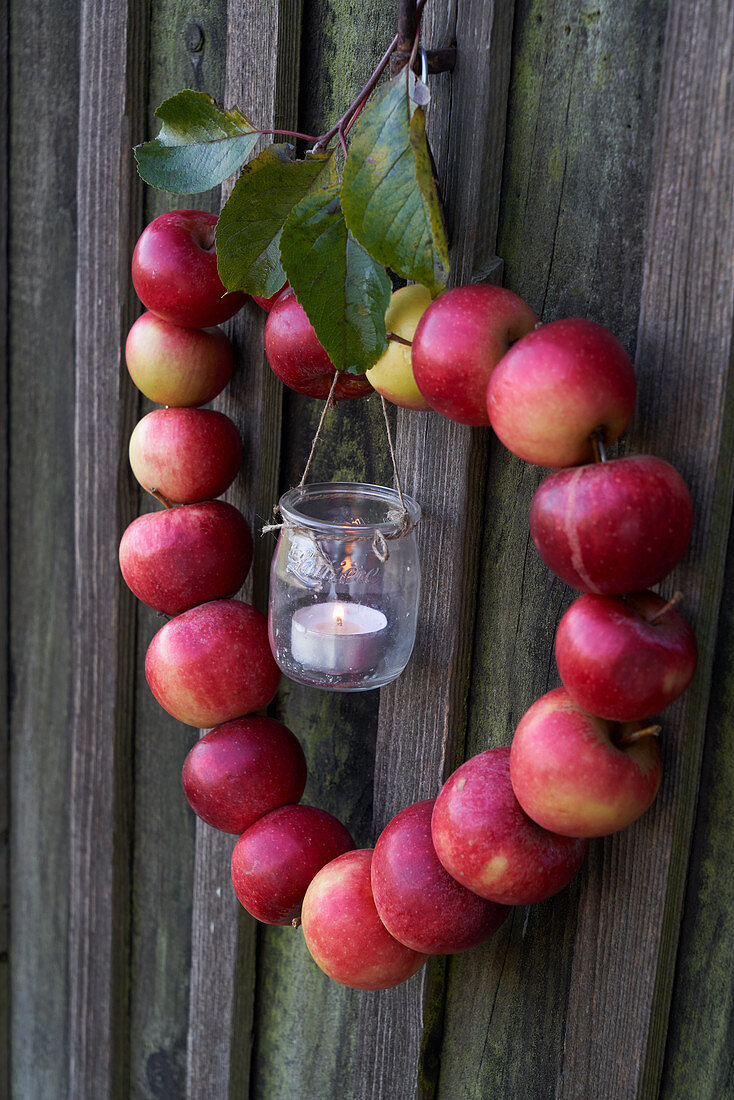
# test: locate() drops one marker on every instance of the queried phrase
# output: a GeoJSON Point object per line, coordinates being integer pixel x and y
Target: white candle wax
{"type": "Point", "coordinates": [337, 637]}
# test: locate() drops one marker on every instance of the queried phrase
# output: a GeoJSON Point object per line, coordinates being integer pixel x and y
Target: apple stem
{"type": "Point", "coordinates": [399, 339]}
{"type": "Point", "coordinates": [159, 497]}
{"type": "Point", "coordinates": [637, 735]}
{"type": "Point", "coordinates": [674, 599]}
{"type": "Point", "coordinates": [296, 922]}
{"type": "Point", "coordinates": [597, 443]}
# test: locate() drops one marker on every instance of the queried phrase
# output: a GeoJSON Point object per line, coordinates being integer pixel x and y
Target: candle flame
{"type": "Point", "coordinates": [339, 614]}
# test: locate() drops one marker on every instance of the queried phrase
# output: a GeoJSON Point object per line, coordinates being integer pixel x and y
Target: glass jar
{"type": "Point", "coordinates": [340, 617]}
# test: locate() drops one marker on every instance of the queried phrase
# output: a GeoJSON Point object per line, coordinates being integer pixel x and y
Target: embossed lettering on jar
{"type": "Point", "coordinates": [344, 586]}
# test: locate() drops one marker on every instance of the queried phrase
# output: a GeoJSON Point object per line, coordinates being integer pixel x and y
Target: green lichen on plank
{"type": "Point", "coordinates": [571, 225]}
{"type": "Point", "coordinates": [305, 1038]}
{"type": "Point", "coordinates": [174, 67]}
{"type": "Point", "coordinates": [304, 1033]}
{"type": "Point", "coordinates": [342, 42]}
{"type": "Point", "coordinates": [701, 1028]}
{"type": "Point", "coordinates": [511, 1045]}
{"type": "Point", "coordinates": [582, 110]}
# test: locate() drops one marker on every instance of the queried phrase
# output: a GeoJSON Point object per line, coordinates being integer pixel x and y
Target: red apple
{"type": "Point", "coordinates": [579, 775]}
{"type": "Point", "coordinates": [624, 659]}
{"type": "Point", "coordinates": [556, 387]}
{"type": "Point", "coordinates": [343, 930]}
{"type": "Point", "coordinates": [240, 771]}
{"type": "Point", "coordinates": [297, 357]}
{"type": "Point", "coordinates": [181, 557]}
{"type": "Point", "coordinates": [268, 303]}
{"type": "Point", "coordinates": [487, 842]}
{"type": "Point", "coordinates": [274, 861]}
{"type": "Point", "coordinates": [187, 455]}
{"type": "Point", "coordinates": [418, 901]}
{"type": "Point", "coordinates": [612, 527]}
{"type": "Point", "coordinates": [175, 271]}
{"type": "Point", "coordinates": [212, 663]}
{"type": "Point", "coordinates": [459, 341]}
{"type": "Point", "coordinates": [178, 366]}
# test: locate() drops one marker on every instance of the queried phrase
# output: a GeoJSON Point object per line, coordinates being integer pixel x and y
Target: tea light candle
{"type": "Point", "coordinates": [337, 637]}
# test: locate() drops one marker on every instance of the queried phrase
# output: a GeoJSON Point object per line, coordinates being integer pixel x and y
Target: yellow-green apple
{"type": "Point", "coordinates": [178, 558]}
{"type": "Point", "coordinates": [175, 271]}
{"type": "Point", "coordinates": [392, 374]}
{"type": "Point", "coordinates": [186, 455]}
{"type": "Point", "coordinates": [343, 930]}
{"type": "Point", "coordinates": [487, 842]}
{"type": "Point", "coordinates": [459, 341]}
{"type": "Point", "coordinates": [276, 858]}
{"type": "Point", "coordinates": [178, 366]}
{"type": "Point", "coordinates": [268, 303]}
{"type": "Point", "coordinates": [418, 901]}
{"type": "Point", "coordinates": [296, 356]}
{"type": "Point", "coordinates": [612, 527]}
{"type": "Point", "coordinates": [558, 386]}
{"type": "Point", "coordinates": [579, 775]}
{"type": "Point", "coordinates": [625, 659]}
{"type": "Point", "coordinates": [241, 770]}
{"type": "Point", "coordinates": [212, 663]}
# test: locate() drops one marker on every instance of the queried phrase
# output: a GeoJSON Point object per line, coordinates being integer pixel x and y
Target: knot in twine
{"type": "Point", "coordinates": [398, 516]}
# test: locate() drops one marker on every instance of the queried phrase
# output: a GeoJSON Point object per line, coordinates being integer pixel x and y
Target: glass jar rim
{"type": "Point", "coordinates": [291, 507]}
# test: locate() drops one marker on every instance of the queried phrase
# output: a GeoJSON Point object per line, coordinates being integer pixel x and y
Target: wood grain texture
{"type": "Point", "coordinates": [262, 79]}
{"type": "Point", "coordinates": [163, 850]}
{"type": "Point", "coordinates": [560, 256]}
{"type": "Point", "coordinates": [111, 107]}
{"type": "Point", "coordinates": [443, 466]}
{"type": "Point", "coordinates": [41, 258]}
{"type": "Point", "coordinates": [684, 354]}
{"type": "Point", "coordinates": [306, 1034]}
{"type": "Point", "coordinates": [4, 558]}
{"type": "Point", "coordinates": [306, 1025]}
{"type": "Point", "coordinates": [700, 1039]}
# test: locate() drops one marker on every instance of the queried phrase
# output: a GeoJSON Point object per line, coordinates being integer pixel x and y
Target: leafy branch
{"type": "Point", "coordinates": [331, 233]}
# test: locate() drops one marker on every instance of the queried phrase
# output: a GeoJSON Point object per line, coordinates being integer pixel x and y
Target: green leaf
{"type": "Point", "coordinates": [343, 290]}
{"type": "Point", "coordinates": [249, 227]}
{"type": "Point", "coordinates": [389, 194]}
{"type": "Point", "coordinates": [197, 146]}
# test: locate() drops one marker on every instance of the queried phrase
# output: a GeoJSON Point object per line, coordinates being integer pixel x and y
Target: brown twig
{"type": "Point", "coordinates": [407, 34]}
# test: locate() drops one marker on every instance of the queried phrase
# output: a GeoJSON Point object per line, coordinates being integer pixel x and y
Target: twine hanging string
{"type": "Point", "coordinates": [399, 516]}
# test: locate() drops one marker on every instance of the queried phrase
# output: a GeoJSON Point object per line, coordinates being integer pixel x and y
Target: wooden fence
{"type": "Point", "coordinates": [590, 148]}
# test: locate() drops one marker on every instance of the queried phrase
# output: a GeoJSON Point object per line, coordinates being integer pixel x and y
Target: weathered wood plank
{"type": "Point", "coordinates": [306, 1034]}
{"type": "Point", "coordinates": [111, 106]}
{"type": "Point", "coordinates": [4, 558]}
{"type": "Point", "coordinates": [443, 465]}
{"type": "Point", "coordinates": [572, 170]}
{"type": "Point", "coordinates": [261, 78]}
{"type": "Point", "coordinates": [162, 872]}
{"type": "Point", "coordinates": [41, 256]}
{"type": "Point", "coordinates": [698, 1059]}
{"type": "Point", "coordinates": [684, 354]}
